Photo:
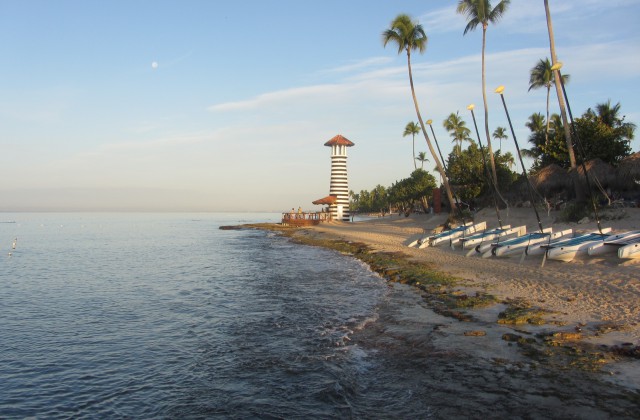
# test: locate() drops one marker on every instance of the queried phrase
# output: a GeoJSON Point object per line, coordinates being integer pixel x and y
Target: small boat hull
{"type": "Point", "coordinates": [629, 251]}
{"type": "Point", "coordinates": [612, 243]}
{"type": "Point", "coordinates": [517, 245]}
{"type": "Point", "coordinates": [569, 249]}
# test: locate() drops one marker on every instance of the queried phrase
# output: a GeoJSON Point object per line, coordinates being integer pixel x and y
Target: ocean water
{"type": "Point", "coordinates": [167, 316]}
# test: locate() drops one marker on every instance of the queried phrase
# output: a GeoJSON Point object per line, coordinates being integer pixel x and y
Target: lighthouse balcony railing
{"type": "Point", "coordinates": [305, 218]}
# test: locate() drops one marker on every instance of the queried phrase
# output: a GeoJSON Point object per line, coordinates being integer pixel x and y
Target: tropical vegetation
{"type": "Point", "coordinates": [409, 36]}
{"type": "Point", "coordinates": [600, 132]}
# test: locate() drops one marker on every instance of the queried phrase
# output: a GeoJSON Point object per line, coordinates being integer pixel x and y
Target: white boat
{"type": "Point", "coordinates": [513, 245]}
{"type": "Point", "coordinates": [487, 237]}
{"type": "Point", "coordinates": [614, 242]}
{"type": "Point", "coordinates": [568, 249]}
{"type": "Point", "coordinates": [520, 244]}
{"type": "Point", "coordinates": [541, 247]}
{"type": "Point", "coordinates": [451, 234]}
{"type": "Point", "coordinates": [630, 251]}
{"type": "Point", "coordinates": [453, 239]}
{"type": "Point", "coordinates": [426, 239]}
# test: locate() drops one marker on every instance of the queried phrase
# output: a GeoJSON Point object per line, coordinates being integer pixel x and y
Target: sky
{"type": "Point", "coordinates": [225, 106]}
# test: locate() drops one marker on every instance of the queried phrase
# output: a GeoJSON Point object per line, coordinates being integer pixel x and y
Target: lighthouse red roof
{"type": "Point", "coordinates": [340, 141]}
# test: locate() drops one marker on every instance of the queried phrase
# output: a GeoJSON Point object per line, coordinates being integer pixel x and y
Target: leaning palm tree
{"type": "Point", "coordinates": [422, 157]}
{"type": "Point", "coordinates": [457, 129]}
{"type": "Point", "coordinates": [409, 36]}
{"type": "Point", "coordinates": [542, 76]}
{"type": "Point", "coordinates": [480, 12]}
{"type": "Point", "coordinates": [556, 76]}
{"type": "Point", "coordinates": [412, 129]}
{"type": "Point", "coordinates": [500, 133]}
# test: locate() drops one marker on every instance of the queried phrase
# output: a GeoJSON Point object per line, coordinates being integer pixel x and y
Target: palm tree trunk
{"type": "Point", "coordinates": [415, 165]}
{"type": "Point", "coordinates": [546, 133]}
{"type": "Point", "coordinates": [486, 111]}
{"type": "Point", "coordinates": [445, 180]}
{"type": "Point", "coordinates": [580, 194]}
{"type": "Point", "coordinates": [556, 75]}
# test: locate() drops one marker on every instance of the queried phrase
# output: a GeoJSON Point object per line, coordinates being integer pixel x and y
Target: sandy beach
{"type": "Point", "coordinates": [582, 295]}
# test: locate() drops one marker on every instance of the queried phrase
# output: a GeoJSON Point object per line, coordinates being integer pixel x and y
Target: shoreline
{"type": "Point", "coordinates": [589, 305]}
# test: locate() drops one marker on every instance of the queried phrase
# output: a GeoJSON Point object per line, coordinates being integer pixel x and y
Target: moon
{"type": "Point", "coordinates": [154, 65]}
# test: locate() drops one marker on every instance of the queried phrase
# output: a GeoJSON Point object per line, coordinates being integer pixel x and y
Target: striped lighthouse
{"type": "Point", "coordinates": [339, 186]}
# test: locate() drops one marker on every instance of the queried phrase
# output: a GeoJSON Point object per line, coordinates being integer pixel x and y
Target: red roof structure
{"type": "Point", "coordinates": [330, 199]}
{"type": "Point", "coordinates": [340, 141]}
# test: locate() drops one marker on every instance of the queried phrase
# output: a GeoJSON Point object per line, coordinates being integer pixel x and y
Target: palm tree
{"type": "Point", "coordinates": [480, 12]}
{"type": "Point", "coordinates": [500, 133]}
{"type": "Point", "coordinates": [409, 36]}
{"type": "Point", "coordinates": [556, 76]}
{"type": "Point", "coordinates": [411, 130]}
{"type": "Point", "coordinates": [542, 76]}
{"type": "Point", "coordinates": [457, 130]}
{"type": "Point", "coordinates": [609, 115]}
{"type": "Point", "coordinates": [422, 157]}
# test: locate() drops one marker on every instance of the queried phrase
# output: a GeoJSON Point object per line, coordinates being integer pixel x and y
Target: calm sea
{"type": "Point", "coordinates": [154, 315]}
{"type": "Point", "coordinates": [166, 316]}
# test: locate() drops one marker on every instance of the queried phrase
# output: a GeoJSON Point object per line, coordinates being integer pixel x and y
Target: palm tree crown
{"type": "Point", "coordinates": [500, 133]}
{"type": "Point", "coordinates": [480, 12]}
{"type": "Point", "coordinates": [407, 34]}
{"type": "Point", "coordinates": [412, 129]}
{"type": "Point", "coordinates": [457, 129]}
{"type": "Point", "coordinates": [541, 75]}
{"type": "Point", "coordinates": [422, 157]}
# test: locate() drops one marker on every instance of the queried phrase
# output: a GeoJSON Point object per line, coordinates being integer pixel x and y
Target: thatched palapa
{"type": "Point", "coordinates": [550, 180]}
{"type": "Point", "coordinates": [328, 200]}
{"type": "Point", "coordinates": [629, 170]}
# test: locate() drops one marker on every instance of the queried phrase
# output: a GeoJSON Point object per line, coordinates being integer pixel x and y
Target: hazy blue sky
{"type": "Point", "coordinates": [245, 94]}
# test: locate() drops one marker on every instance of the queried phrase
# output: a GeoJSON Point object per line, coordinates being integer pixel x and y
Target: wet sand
{"type": "Point", "coordinates": [599, 296]}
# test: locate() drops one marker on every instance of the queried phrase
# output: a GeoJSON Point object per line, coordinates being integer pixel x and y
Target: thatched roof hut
{"type": "Point", "coordinates": [629, 170]}
{"type": "Point", "coordinates": [330, 199]}
{"type": "Point", "coordinates": [551, 180]}
{"type": "Point", "coordinates": [598, 171]}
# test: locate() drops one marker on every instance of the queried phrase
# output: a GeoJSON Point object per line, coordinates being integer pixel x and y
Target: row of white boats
{"type": "Point", "coordinates": [507, 240]}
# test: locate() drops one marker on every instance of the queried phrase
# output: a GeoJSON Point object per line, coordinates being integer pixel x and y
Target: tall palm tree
{"type": "Point", "coordinates": [422, 157]}
{"type": "Point", "coordinates": [480, 12]}
{"type": "Point", "coordinates": [457, 129]}
{"type": "Point", "coordinates": [409, 36]}
{"type": "Point", "coordinates": [500, 133]}
{"type": "Point", "coordinates": [542, 76]}
{"type": "Point", "coordinates": [556, 76]}
{"type": "Point", "coordinates": [412, 129]}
